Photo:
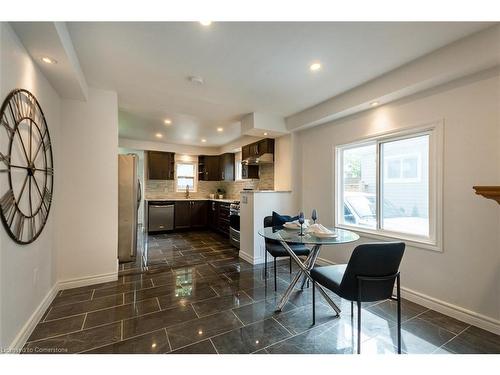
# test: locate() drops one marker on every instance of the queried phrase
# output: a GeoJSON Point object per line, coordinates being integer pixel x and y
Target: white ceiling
{"type": "Point", "coordinates": [246, 66]}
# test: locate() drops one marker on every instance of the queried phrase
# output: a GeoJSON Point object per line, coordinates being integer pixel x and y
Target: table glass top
{"type": "Point", "coordinates": [293, 236]}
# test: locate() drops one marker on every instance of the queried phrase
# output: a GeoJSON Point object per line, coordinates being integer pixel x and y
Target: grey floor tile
{"type": "Point", "coordinates": [250, 338]}
{"type": "Point", "coordinates": [115, 314]}
{"type": "Point", "coordinates": [388, 309]}
{"type": "Point", "coordinates": [202, 347]}
{"type": "Point", "coordinates": [157, 320]}
{"type": "Point", "coordinates": [453, 325]}
{"type": "Point", "coordinates": [218, 304]}
{"type": "Point", "coordinates": [418, 336]}
{"type": "Point", "coordinates": [57, 327]}
{"type": "Point", "coordinates": [474, 341]}
{"type": "Point", "coordinates": [76, 342]}
{"type": "Point", "coordinates": [151, 343]}
{"type": "Point", "coordinates": [196, 330]}
{"type": "Point", "coordinates": [260, 311]}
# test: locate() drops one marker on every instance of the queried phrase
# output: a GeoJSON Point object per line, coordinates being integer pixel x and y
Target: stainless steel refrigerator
{"type": "Point", "coordinates": [129, 200]}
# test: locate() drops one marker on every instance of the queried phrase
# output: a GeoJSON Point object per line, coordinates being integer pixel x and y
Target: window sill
{"type": "Point", "coordinates": [409, 241]}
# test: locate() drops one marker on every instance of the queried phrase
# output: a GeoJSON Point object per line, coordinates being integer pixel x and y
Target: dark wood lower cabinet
{"type": "Point", "coordinates": [202, 214]}
{"type": "Point", "coordinates": [223, 222]}
{"type": "Point", "coordinates": [182, 215]}
{"type": "Point", "coordinates": [213, 215]}
{"type": "Point", "coordinates": [199, 214]}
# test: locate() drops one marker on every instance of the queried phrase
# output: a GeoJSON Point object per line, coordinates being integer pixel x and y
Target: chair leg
{"type": "Point", "coordinates": [352, 308]}
{"type": "Point", "coordinates": [314, 302]}
{"type": "Point", "coordinates": [265, 265]}
{"type": "Point", "coordinates": [398, 291]}
{"type": "Point", "coordinates": [290, 264]}
{"type": "Point", "coordinates": [358, 302]}
{"type": "Point", "coordinates": [359, 327]}
{"type": "Point", "coordinates": [275, 282]}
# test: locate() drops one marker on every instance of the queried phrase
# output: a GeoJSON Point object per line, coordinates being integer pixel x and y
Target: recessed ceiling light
{"type": "Point", "coordinates": [48, 60]}
{"type": "Point", "coordinates": [203, 140]}
{"type": "Point", "coordinates": [374, 104]}
{"type": "Point", "coordinates": [265, 133]}
{"type": "Point", "coordinates": [167, 121]}
{"type": "Point", "coordinates": [315, 66]}
{"type": "Point", "coordinates": [159, 135]}
{"type": "Point", "coordinates": [206, 23]}
{"type": "Point", "coordinates": [220, 129]}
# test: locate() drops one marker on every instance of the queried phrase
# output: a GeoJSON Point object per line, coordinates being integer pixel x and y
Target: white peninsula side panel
{"type": "Point", "coordinates": [254, 206]}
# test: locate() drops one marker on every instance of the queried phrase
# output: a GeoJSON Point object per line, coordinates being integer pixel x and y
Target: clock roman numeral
{"type": "Point", "coordinates": [47, 197]}
{"type": "Point", "coordinates": [19, 226]}
{"type": "Point", "coordinates": [7, 203]}
{"type": "Point", "coordinates": [6, 125]}
{"type": "Point", "coordinates": [46, 140]}
{"type": "Point", "coordinates": [31, 228]}
{"type": "Point", "coordinates": [31, 107]}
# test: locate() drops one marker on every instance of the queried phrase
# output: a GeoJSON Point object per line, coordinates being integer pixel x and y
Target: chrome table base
{"type": "Point", "coordinates": [305, 268]}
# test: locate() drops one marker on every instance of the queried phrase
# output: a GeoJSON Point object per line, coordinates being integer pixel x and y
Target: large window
{"type": "Point", "coordinates": [388, 186]}
{"type": "Point", "coordinates": [185, 173]}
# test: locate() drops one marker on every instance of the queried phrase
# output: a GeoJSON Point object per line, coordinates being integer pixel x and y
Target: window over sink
{"type": "Point", "coordinates": [185, 176]}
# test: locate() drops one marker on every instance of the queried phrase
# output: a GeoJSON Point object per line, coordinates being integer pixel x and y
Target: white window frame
{"type": "Point", "coordinates": [195, 179]}
{"type": "Point", "coordinates": [435, 240]}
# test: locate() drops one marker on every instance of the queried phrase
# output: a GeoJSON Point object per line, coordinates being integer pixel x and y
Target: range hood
{"type": "Point", "coordinates": [266, 158]}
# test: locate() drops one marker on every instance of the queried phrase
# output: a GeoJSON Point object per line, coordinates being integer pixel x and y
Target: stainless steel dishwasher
{"type": "Point", "coordinates": [161, 216]}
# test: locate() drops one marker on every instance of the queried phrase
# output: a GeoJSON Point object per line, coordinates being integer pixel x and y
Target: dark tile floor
{"type": "Point", "coordinates": [190, 293]}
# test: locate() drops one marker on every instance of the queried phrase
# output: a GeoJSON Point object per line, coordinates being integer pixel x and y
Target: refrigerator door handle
{"type": "Point", "coordinates": [139, 193]}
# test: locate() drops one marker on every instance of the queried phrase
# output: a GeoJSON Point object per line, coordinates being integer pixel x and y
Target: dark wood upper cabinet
{"type": "Point", "coordinates": [265, 146]}
{"type": "Point", "coordinates": [226, 167]}
{"type": "Point", "coordinates": [161, 165]}
{"type": "Point", "coordinates": [212, 168]}
{"type": "Point", "coordinates": [259, 148]}
{"type": "Point", "coordinates": [245, 152]}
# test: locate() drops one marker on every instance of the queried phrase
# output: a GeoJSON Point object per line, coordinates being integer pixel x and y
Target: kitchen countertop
{"type": "Point", "coordinates": [190, 199]}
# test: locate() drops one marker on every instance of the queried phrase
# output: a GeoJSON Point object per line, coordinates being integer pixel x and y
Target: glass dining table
{"type": "Point", "coordinates": [289, 237]}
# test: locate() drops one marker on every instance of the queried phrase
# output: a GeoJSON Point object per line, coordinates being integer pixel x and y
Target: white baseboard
{"type": "Point", "coordinates": [25, 332]}
{"type": "Point", "coordinates": [246, 257]}
{"type": "Point", "coordinates": [88, 280]}
{"type": "Point", "coordinates": [255, 261]}
{"type": "Point", "coordinates": [457, 312]}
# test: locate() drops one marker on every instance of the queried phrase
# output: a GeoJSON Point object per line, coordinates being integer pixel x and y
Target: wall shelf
{"type": "Point", "coordinates": [490, 192]}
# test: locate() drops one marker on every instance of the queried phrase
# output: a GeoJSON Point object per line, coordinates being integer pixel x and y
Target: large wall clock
{"type": "Point", "coordinates": [26, 167]}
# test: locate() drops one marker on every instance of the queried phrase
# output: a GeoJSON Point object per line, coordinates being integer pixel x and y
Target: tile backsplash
{"type": "Point", "coordinates": [166, 189]}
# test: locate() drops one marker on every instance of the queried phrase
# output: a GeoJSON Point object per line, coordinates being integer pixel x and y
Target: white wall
{"type": "Point", "coordinates": [283, 163]}
{"type": "Point", "coordinates": [27, 273]}
{"type": "Point", "coordinates": [87, 233]}
{"type": "Point", "coordinates": [465, 277]}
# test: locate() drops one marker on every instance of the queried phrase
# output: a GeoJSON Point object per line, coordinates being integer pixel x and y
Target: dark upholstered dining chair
{"type": "Point", "coordinates": [276, 249]}
{"type": "Point", "coordinates": [369, 276]}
